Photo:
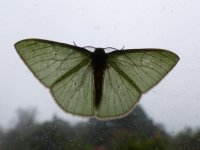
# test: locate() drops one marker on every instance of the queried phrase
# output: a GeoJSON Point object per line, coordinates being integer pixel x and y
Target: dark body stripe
{"type": "Point", "coordinates": [99, 64]}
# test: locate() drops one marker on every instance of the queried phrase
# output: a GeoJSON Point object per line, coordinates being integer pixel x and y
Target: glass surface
{"type": "Point", "coordinates": [135, 131]}
{"type": "Point", "coordinates": [167, 117]}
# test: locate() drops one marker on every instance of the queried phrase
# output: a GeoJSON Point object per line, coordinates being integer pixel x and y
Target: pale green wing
{"type": "Point", "coordinates": [75, 92]}
{"type": "Point", "coordinates": [129, 74]}
{"type": "Point", "coordinates": [65, 69]}
{"type": "Point", "coordinates": [118, 95]}
{"type": "Point", "coordinates": [50, 60]}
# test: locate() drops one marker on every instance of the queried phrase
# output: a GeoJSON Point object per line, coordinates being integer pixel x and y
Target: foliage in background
{"type": "Point", "coordinates": [136, 131]}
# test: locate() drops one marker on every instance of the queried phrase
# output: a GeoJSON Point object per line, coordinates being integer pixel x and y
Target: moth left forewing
{"type": "Point", "coordinates": [49, 60]}
{"type": "Point", "coordinates": [63, 68]}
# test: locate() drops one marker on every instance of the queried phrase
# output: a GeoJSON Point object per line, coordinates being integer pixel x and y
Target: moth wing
{"type": "Point", "coordinates": [65, 69]}
{"type": "Point", "coordinates": [118, 95]}
{"type": "Point", "coordinates": [75, 93]}
{"type": "Point", "coordinates": [145, 67]}
{"type": "Point", "coordinates": [129, 74]}
{"type": "Point", "coordinates": [49, 60]}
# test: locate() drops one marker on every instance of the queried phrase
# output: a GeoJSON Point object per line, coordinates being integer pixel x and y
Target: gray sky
{"type": "Point", "coordinates": [173, 25]}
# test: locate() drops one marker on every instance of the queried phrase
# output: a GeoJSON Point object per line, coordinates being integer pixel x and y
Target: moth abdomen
{"type": "Point", "coordinates": [99, 64]}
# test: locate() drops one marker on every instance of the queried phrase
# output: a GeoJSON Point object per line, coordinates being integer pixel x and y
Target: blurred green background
{"type": "Point", "coordinates": [133, 132]}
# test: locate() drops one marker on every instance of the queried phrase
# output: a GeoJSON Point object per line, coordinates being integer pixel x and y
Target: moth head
{"type": "Point", "coordinates": [99, 50]}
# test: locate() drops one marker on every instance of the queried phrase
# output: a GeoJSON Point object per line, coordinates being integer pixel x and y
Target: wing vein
{"type": "Point", "coordinates": [114, 89]}
{"type": "Point", "coordinates": [136, 70]}
{"type": "Point", "coordinates": [33, 50]}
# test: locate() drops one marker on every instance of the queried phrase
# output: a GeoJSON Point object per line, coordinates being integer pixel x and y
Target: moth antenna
{"type": "Point", "coordinates": [122, 48]}
{"type": "Point", "coordinates": [74, 43]}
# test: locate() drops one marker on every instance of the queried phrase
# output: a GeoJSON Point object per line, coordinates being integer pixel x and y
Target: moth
{"type": "Point", "coordinates": [95, 84]}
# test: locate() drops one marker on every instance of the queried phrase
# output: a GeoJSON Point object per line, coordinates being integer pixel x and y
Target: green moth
{"type": "Point", "coordinates": [95, 84]}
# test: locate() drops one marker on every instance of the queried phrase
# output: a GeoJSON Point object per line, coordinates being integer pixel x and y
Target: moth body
{"type": "Point", "coordinates": [99, 61]}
